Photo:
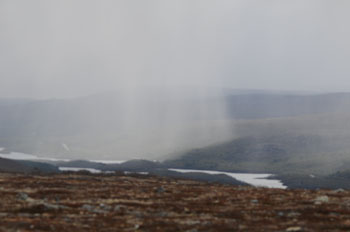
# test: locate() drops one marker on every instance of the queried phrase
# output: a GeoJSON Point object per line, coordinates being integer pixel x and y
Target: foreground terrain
{"type": "Point", "coordinates": [85, 202]}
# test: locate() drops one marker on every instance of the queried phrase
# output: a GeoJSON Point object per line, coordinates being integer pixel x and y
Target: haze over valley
{"type": "Point", "coordinates": [230, 86]}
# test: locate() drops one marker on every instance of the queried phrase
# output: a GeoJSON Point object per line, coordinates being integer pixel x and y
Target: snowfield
{"type": "Point", "coordinates": [23, 156]}
{"type": "Point", "coordinates": [72, 169]}
{"type": "Point", "coordinates": [258, 180]}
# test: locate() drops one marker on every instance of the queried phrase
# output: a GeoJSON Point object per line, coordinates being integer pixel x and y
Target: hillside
{"type": "Point", "coordinates": [87, 126]}
{"type": "Point", "coordinates": [271, 105]}
{"type": "Point", "coordinates": [312, 144]}
{"type": "Point", "coordinates": [7, 165]}
{"type": "Point", "coordinates": [279, 133]}
{"type": "Point", "coordinates": [77, 202]}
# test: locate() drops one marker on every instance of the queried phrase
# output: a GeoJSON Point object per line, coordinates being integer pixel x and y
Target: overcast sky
{"type": "Point", "coordinates": [71, 48]}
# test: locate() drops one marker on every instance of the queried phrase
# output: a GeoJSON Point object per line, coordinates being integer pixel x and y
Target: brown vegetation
{"type": "Point", "coordinates": [82, 202]}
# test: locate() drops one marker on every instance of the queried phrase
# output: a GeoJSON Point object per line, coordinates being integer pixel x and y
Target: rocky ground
{"type": "Point", "coordinates": [83, 202]}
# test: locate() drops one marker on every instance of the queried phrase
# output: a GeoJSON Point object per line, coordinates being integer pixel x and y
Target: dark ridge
{"type": "Point", "coordinates": [82, 164]}
{"type": "Point", "coordinates": [7, 165]}
{"type": "Point", "coordinates": [20, 166]}
{"type": "Point", "coordinates": [137, 165]}
{"type": "Point", "coordinates": [219, 178]}
{"type": "Point", "coordinates": [40, 167]}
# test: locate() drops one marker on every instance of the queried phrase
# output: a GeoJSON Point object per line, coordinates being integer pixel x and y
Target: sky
{"type": "Point", "coordinates": [73, 48]}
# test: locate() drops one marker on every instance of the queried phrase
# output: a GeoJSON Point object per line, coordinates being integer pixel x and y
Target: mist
{"type": "Point", "coordinates": [150, 78]}
{"type": "Point", "coordinates": [76, 48]}
{"type": "Point", "coordinates": [144, 80]}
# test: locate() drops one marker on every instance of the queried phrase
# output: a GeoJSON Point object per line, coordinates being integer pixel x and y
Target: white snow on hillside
{"type": "Point", "coordinates": [258, 180]}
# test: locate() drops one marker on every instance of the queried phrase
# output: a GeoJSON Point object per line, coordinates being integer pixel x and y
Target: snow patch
{"type": "Point", "coordinates": [141, 173]}
{"type": "Point", "coordinates": [73, 169]}
{"type": "Point", "coordinates": [23, 156]}
{"type": "Point", "coordinates": [109, 161]}
{"type": "Point", "coordinates": [258, 180]}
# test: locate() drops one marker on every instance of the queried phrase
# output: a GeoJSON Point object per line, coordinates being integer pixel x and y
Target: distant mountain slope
{"type": "Point", "coordinates": [14, 101]}
{"type": "Point", "coordinates": [85, 127]}
{"type": "Point", "coordinates": [102, 112]}
{"type": "Point", "coordinates": [313, 144]}
{"type": "Point", "coordinates": [260, 105]}
{"type": "Point", "coordinates": [7, 165]}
